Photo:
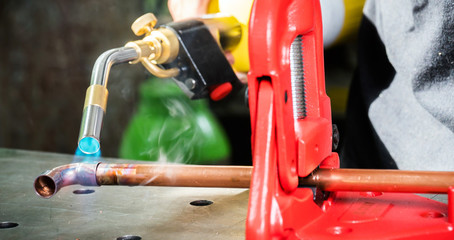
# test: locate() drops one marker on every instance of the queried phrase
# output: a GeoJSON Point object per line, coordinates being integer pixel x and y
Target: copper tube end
{"type": "Point", "coordinates": [45, 186]}
{"type": "Point", "coordinates": [51, 181]}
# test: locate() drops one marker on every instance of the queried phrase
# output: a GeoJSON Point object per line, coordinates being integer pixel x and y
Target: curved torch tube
{"type": "Point", "coordinates": [96, 97]}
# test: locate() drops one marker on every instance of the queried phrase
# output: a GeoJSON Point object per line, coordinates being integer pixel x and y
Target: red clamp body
{"type": "Point", "coordinates": [292, 136]}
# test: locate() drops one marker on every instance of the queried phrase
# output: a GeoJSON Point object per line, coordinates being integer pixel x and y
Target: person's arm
{"type": "Point", "coordinates": [182, 9]}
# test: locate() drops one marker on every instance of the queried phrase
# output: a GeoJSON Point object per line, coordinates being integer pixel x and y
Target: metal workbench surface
{"type": "Point", "coordinates": [111, 212]}
{"type": "Point", "coordinates": [114, 212]}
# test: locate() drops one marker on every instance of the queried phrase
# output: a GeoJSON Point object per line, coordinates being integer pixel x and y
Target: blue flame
{"type": "Point", "coordinates": [89, 146]}
{"type": "Point", "coordinates": [89, 150]}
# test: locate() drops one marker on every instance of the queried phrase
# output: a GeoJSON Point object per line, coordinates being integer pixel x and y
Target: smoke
{"type": "Point", "coordinates": [171, 136]}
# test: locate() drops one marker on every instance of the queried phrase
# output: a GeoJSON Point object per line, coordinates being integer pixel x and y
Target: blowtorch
{"type": "Point", "coordinates": [190, 52]}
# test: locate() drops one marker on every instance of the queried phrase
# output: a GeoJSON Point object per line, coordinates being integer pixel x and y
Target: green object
{"type": "Point", "coordinates": [169, 127]}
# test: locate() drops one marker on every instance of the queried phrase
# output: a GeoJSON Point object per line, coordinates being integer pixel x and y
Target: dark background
{"type": "Point", "coordinates": [48, 49]}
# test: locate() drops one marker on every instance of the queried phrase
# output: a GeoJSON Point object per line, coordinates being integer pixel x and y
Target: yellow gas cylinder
{"type": "Point", "coordinates": [341, 19]}
{"type": "Point", "coordinates": [240, 9]}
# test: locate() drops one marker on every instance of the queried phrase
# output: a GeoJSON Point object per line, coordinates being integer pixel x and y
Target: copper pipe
{"type": "Point", "coordinates": [47, 184]}
{"type": "Point", "coordinates": [173, 175]}
{"type": "Point", "coordinates": [51, 181]}
{"type": "Point", "coordinates": [380, 180]}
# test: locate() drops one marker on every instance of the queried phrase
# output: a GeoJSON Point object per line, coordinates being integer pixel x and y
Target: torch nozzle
{"type": "Point", "coordinates": [96, 97]}
{"type": "Point", "coordinates": [89, 145]}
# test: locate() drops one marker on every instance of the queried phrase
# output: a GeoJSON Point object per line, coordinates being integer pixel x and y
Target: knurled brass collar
{"type": "Point", "coordinates": [144, 24]}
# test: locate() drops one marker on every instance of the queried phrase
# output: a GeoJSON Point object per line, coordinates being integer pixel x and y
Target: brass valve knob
{"type": "Point", "coordinates": [144, 24]}
{"type": "Point", "coordinates": [157, 47]}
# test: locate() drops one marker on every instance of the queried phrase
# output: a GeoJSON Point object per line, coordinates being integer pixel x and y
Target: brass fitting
{"type": "Point", "coordinates": [159, 46]}
{"type": "Point", "coordinates": [96, 95]}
